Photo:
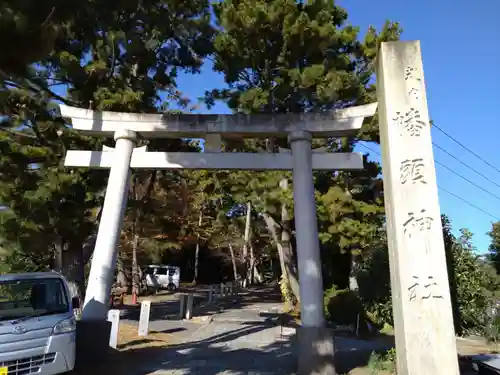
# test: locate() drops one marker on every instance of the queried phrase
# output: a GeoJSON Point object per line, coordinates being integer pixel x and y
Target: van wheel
{"type": "Point", "coordinates": [171, 287]}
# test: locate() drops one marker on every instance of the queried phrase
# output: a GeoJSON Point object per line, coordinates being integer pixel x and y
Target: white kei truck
{"type": "Point", "coordinates": [37, 324]}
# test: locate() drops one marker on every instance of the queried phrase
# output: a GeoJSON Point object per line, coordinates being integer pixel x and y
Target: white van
{"type": "Point", "coordinates": [162, 277]}
{"type": "Point", "coordinates": [37, 324]}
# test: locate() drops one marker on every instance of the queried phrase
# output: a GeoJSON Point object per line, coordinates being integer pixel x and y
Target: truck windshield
{"type": "Point", "coordinates": [32, 297]}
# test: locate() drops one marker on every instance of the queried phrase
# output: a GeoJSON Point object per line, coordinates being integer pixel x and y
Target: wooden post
{"type": "Point", "coordinates": [423, 319]}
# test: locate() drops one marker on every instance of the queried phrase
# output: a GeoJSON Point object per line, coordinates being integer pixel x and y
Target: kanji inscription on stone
{"type": "Point", "coordinates": [410, 121]}
{"type": "Point", "coordinates": [412, 171]}
{"type": "Point", "coordinates": [417, 222]}
{"type": "Point", "coordinates": [424, 288]}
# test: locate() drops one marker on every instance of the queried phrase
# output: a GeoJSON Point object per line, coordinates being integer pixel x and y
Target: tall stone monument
{"type": "Point", "coordinates": [423, 319]}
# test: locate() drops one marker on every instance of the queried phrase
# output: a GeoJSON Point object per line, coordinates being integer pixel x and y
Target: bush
{"type": "Point", "coordinates": [470, 286]}
{"type": "Point", "coordinates": [342, 306]}
{"type": "Point", "coordinates": [375, 287]}
{"type": "Point", "coordinates": [492, 329]}
{"type": "Point", "coordinates": [286, 292]}
{"type": "Point", "coordinates": [385, 362]}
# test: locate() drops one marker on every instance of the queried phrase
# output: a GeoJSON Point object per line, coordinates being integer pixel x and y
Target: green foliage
{"type": "Point", "coordinates": [470, 284]}
{"type": "Point", "coordinates": [342, 306]}
{"type": "Point", "coordinates": [276, 57]}
{"type": "Point", "coordinates": [119, 55]}
{"type": "Point", "coordinates": [12, 259]}
{"type": "Point", "coordinates": [349, 220]}
{"type": "Point", "coordinates": [471, 290]}
{"type": "Point", "coordinates": [286, 56]}
{"type": "Point", "coordinates": [28, 32]}
{"type": "Point", "coordinates": [494, 248]}
{"type": "Point", "coordinates": [286, 292]}
{"type": "Point", "coordinates": [492, 329]}
{"type": "Point", "coordinates": [383, 362]}
{"type": "Point", "coordinates": [375, 285]}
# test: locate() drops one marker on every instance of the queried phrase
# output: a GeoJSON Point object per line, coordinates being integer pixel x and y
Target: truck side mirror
{"type": "Point", "coordinates": [75, 302]}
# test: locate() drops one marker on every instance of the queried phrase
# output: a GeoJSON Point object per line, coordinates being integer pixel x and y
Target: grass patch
{"type": "Point", "coordinates": [383, 363]}
{"type": "Point", "coordinates": [133, 352]}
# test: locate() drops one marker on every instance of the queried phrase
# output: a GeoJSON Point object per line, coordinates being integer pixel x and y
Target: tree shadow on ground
{"type": "Point", "coordinates": [219, 353]}
{"type": "Point", "coordinates": [231, 351]}
{"type": "Point", "coordinates": [170, 309]}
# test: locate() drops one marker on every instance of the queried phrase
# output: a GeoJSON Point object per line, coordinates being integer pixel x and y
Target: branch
{"type": "Point", "coordinates": [38, 134]}
{"type": "Point", "coordinates": [14, 133]}
{"type": "Point", "coordinates": [149, 189]}
{"type": "Point", "coordinates": [276, 222]}
{"type": "Point", "coordinates": [48, 17]}
{"type": "Point", "coordinates": [51, 93]}
{"type": "Point", "coordinates": [36, 87]}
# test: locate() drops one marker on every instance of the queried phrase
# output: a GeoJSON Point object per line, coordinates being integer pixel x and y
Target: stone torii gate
{"type": "Point", "coordinates": [423, 318]}
{"type": "Point", "coordinates": [300, 129]}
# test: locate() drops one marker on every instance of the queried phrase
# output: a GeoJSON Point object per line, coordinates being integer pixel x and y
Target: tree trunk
{"type": "Point", "coordinates": [288, 256]}
{"type": "Point", "coordinates": [353, 269]}
{"type": "Point", "coordinates": [257, 275]}
{"type": "Point", "coordinates": [138, 203]}
{"type": "Point", "coordinates": [121, 277]}
{"type": "Point", "coordinates": [136, 282]}
{"type": "Point", "coordinates": [233, 260]}
{"type": "Point", "coordinates": [196, 260]}
{"type": "Point", "coordinates": [135, 241]}
{"type": "Point", "coordinates": [73, 269]}
{"type": "Point", "coordinates": [246, 239]}
{"type": "Point", "coordinates": [246, 246]}
{"type": "Point", "coordinates": [286, 270]}
{"type": "Point", "coordinates": [251, 268]}
{"type": "Point", "coordinates": [58, 256]}
{"type": "Point", "coordinates": [291, 270]}
{"type": "Point", "coordinates": [197, 251]}
{"type": "Point", "coordinates": [89, 242]}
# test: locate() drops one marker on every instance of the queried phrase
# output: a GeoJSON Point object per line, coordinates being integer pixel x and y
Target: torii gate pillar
{"type": "Point", "coordinates": [102, 270]}
{"type": "Point", "coordinates": [315, 341]}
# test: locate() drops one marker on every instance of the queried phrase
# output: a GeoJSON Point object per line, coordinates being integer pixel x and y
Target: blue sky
{"type": "Point", "coordinates": [459, 41]}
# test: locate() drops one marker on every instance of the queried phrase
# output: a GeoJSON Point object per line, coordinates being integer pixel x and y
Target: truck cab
{"type": "Point", "coordinates": [37, 324]}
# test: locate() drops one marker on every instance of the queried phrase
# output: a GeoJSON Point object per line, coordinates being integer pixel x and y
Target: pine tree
{"type": "Point", "coordinates": [286, 56]}
{"type": "Point", "coordinates": [119, 55]}
{"type": "Point", "coordinates": [494, 248]}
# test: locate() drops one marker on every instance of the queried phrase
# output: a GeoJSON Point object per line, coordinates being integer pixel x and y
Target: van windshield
{"type": "Point", "coordinates": [32, 297]}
